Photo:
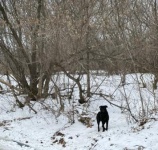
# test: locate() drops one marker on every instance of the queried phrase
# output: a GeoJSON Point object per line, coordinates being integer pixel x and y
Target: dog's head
{"type": "Point", "coordinates": [103, 108]}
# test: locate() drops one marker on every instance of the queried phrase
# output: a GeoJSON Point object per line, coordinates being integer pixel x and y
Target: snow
{"type": "Point", "coordinates": [47, 130]}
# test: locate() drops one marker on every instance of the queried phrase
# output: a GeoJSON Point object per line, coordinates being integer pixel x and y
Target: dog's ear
{"type": "Point", "coordinates": [100, 107]}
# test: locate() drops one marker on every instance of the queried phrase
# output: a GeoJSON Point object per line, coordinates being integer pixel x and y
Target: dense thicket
{"type": "Point", "coordinates": [41, 37]}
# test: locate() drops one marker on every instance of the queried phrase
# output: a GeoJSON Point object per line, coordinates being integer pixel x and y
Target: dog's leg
{"type": "Point", "coordinates": [107, 125]}
{"type": "Point", "coordinates": [103, 125]}
{"type": "Point", "coordinates": [98, 125]}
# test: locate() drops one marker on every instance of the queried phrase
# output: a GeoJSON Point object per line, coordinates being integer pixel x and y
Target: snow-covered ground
{"type": "Point", "coordinates": [22, 129]}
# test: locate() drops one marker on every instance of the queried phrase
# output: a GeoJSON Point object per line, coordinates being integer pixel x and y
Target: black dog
{"type": "Point", "coordinates": [103, 116]}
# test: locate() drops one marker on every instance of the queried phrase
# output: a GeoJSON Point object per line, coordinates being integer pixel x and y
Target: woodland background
{"type": "Point", "coordinates": [39, 39]}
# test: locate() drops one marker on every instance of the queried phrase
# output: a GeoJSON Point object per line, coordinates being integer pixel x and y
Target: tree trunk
{"type": "Point", "coordinates": [88, 75]}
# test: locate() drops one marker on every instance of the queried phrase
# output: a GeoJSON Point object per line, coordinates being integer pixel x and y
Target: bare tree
{"type": "Point", "coordinates": [23, 45]}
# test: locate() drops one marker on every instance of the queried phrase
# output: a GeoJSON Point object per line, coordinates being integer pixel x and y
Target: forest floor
{"type": "Point", "coordinates": [22, 129]}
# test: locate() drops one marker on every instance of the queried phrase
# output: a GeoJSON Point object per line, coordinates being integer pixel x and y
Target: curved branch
{"type": "Point", "coordinates": [10, 85]}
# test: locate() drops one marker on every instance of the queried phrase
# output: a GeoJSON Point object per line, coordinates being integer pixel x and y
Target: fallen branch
{"type": "Point", "coordinates": [104, 96]}
{"type": "Point", "coordinates": [19, 143]}
{"type": "Point", "coordinates": [32, 108]}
